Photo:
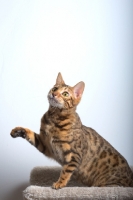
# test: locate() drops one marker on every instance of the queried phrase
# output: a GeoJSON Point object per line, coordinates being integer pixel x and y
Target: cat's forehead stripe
{"type": "Point", "coordinates": [62, 86]}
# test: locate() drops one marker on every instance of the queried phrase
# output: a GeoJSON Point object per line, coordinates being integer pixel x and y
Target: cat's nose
{"type": "Point", "coordinates": [54, 95]}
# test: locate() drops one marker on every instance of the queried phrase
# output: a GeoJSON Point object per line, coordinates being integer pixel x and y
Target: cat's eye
{"type": "Point", "coordinates": [65, 94]}
{"type": "Point", "coordinates": [54, 89]}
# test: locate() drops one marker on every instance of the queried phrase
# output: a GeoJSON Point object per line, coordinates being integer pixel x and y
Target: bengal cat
{"type": "Point", "coordinates": [80, 150]}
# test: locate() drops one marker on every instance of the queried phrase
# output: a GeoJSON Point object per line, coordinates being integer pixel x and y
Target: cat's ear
{"type": "Point", "coordinates": [59, 80]}
{"type": "Point", "coordinates": [78, 89]}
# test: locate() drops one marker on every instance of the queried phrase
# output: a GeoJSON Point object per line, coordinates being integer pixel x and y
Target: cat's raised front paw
{"type": "Point", "coordinates": [18, 132]}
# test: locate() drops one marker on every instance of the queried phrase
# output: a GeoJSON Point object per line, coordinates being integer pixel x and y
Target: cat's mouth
{"type": "Point", "coordinates": [54, 102]}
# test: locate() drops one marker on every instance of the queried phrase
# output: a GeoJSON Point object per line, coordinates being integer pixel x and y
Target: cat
{"type": "Point", "coordinates": [81, 151]}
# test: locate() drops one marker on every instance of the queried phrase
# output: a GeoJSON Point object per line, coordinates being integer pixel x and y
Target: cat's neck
{"type": "Point", "coordinates": [61, 112]}
{"type": "Point", "coordinates": [56, 115]}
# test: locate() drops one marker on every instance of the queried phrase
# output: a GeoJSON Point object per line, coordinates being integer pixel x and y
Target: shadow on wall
{"type": "Point", "coordinates": [16, 193]}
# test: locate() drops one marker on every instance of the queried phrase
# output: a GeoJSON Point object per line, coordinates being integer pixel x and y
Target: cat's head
{"type": "Point", "coordinates": [63, 96]}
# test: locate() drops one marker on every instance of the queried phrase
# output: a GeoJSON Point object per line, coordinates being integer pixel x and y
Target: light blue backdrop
{"type": "Point", "coordinates": [90, 41]}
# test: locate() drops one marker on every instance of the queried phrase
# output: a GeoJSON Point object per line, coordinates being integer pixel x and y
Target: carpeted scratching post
{"type": "Point", "coordinates": [42, 178]}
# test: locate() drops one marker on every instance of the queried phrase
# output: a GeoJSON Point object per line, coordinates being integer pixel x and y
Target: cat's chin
{"type": "Point", "coordinates": [55, 104]}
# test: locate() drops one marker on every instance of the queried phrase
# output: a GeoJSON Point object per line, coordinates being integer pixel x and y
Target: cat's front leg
{"type": "Point", "coordinates": [24, 133]}
{"type": "Point", "coordinates": [33, 138]}
{"type": "Point", "coordinates": [67, 172]}
{"type": "Point", "coordinates": [63, 179]}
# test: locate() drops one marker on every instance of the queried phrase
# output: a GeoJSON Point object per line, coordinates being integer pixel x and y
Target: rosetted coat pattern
{"type": "Point", "coordinates": [81, 151]}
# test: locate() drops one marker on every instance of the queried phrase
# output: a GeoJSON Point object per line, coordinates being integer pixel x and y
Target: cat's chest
{"type": "Point", "coordinates": [51, 129]}
{"type": "Point", "coordinates": [52, 132]}
{"type": "Point", "coordinates": [57, 151]}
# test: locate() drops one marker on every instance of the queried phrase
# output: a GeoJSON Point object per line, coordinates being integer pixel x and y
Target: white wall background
{"type": "Point", "coordinates": [88, 40]}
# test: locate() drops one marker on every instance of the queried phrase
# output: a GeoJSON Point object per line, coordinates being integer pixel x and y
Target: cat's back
{"type": "Point", "coordinates": [96, 143]}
